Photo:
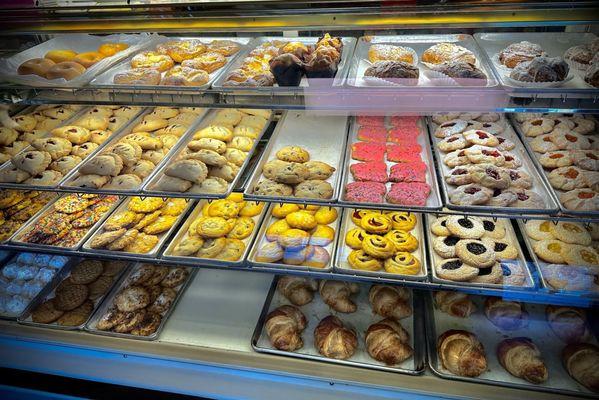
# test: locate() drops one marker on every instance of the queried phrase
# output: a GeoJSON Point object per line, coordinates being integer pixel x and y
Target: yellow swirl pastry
{"type": "Point", "coordinates": [402, 240]}
{"type": "Point", "coordinates": [282, 210]}
{"type": "Point", "coordinates": [325, 215]}
{"type": "Point", "coordinates": [402, 263]}
{"type": "Point", "coordinates": [223, 208]}
{"type": "Point", "coordinates": [357, 216]}
{"type": "Point", "coordinates": [378, 246]}
{"type": "Point", "coordinates": [205, 209]}
{"type": "Point", "coordinates": [301, 220]}
{"type": "Point", "coordinates": [354, 238]}
{"type": "Point", "coordinates": [294, 238]}
{"type": "Point", "coordinates": [243, 228]}
{"type": "Point", "coordinates": [376, 223]}
{"type": "Point", "coordinates": [276, 229]}
{"type": "Point", "coordinates": [322, 235]}
{"type": "Point", "coordinates": [404, 221]}
{"type": "Point", "coordinates": [213, 227]}
{"type": "Point", "coordinates": [251, 209]}
{"type": "Point", "coordinates": [358, 259]}
{"type": "Point", "coordinates": [193, 227]}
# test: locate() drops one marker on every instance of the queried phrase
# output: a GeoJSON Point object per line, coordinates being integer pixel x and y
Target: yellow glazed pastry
{"type": "Point", "coordinates": [276, 229]}
{"type": "Point", "coordinates": [301, 220]}
{"type": "Point", "coordinates": [402, 263]}
{"type": "Point", "coordinates": [162, 224]}
{"type": "Point", "coordinates": [282, 210]}
{"type": "Point", "coordinates": [358, 259]}
{"type": "Point", "coordinates": [223, 208]}
{"type": "Point", "coordinates": [251, 209]}
{"type": "Point", "coordinates": [403, 241]}
{"type": "Point", "coordinates": [148, 204]}
{"type": "Point", "coordinates": [378, 246]}
{"type": "Point", "coordinates": [354, 238]}
{"type": "Point", "coordinates": [173, 206]}
{"type": "Point", "coordinates": [243, 228]}
{"type": "Point", "coordinates": [376, 223]}
{"type": "Point", "coordinates": [357, 216]}
{"type": "Point", "coordinates": [404, 221]}
{"type": "Point", "coordinates": [236, 197]}
{"type": "Point", "coordinates": [322, 235]}
{"type": "Point", "coordinates": [232, 251]}
{"type": "Point", "coordinates": [214, 227]}
{"type": "Point", "coordinates": [294, 238]}
{"type": "Point", "coordinates": [325, 215]}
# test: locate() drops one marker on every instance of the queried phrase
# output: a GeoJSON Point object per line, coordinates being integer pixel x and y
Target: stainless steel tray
{"type": "Point", "coordinates": [26, 318]}
{"type": "Point", "coordinates": [91, 324]}
{"type": "Point", "coordinates": [418, 43]}
{"type": "Point", "coordinates": [324, 137]}
{"type": "Point", "coordinates": [549, 345]}
{"type": "Point", "coordinates": [510, 235]}
{"type": "Point", "coordinates": [162, 237]}
{"type": "Point", "coordinates": [359, 321]}
{"type": "Point", "coordinates": [342, 266]}
{"type": "Point", "coordinates": [553, 43]}
{"type": "Point", "coordinates": [33, 217]}
{"type": "Point", "coordinates": [433, 201]}
{"type": "Point", "coordinates": [159, 171]}
{"type": "Point", "coordinates": [106, 79]}
{"type": "Point", "coordinates": [348, 50]}
{"type": "Point", "coordinates": [555, 193]}
{"type": "Point", "coordinates": [107, 147]}
{"type": "Point", "coordinates": [280, 266]}
{"type": "Point", "coordinates": [79, 42]}
{"type": "Point", "coordinates": [539, 185]}
{"type": "Point", "coordinates": [49, 209]}
{"type": "Point", "coordinates": [42, 293]}
{"type": "Point", "coordinates": [182, 233]}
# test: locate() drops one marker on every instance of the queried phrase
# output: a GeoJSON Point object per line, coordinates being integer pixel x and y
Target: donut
{"type": "Point", "coordinates": [152, 59]}
{"type": "Point", "coordinates": [60, 55]}
{"type": "Point", "coordinates": [66, 69]}
{"type": "Point", "coordinates": [88, 59]}
{"type": "Point", "coordinates": [110, 49]}
{"type": "Point", "coordinates": [35, 66]}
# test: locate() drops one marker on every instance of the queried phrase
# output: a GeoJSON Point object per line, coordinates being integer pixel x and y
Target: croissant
{"type": "Point", "coordinates": [521, 358]}
{"type": "Point", "coordinates": [568, 323]}
{"type": "Point", "coordinates": [336, 294]}
{"type": "Point", "coordinates": [506, 315]}
{"type": "Point", "coordinates": [284, 326]}
{"type": "Point", "coordinates": [387, 341]}
{"type": "Point", "coordinates": [390, 301]}
{"type": "Point", "coordinates": [333, 340]}
{"type": "Point", "coordinates": [581, 360]}
{"type": "Point", "coordinates": [456, 304]}
{"type": "Point", "coordinates": [296, 289]}
{"type": "Point", "coordinates": [461, 353]}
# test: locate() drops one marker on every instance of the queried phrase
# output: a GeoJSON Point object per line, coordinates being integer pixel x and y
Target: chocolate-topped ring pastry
{"type": "Point", "coordinates": [392, 70]}
{"type": "Point", "coordinates": [322, 63]}
{"type": "Point", "coordinates": [516, 53]}
{"type": "Point", "coordinates": [541, 69]}
{"type": "Point", "coordinates": [287, 69]}
{"type": "Point", "coordinates": [464, 73]}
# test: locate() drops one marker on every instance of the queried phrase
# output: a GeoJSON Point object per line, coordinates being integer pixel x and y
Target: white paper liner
{"type": "Point", "coordinates": [440, 79]}
{"type": "Point", "coordinates": [539, 85]}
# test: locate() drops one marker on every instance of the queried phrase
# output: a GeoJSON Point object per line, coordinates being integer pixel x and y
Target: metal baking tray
{"type": "Point", "coordinates": [358, 321]}
{"type": "Point", "coordinates": [342, 266]}
{"type": "Point", "coordinates": [539, 185]}
{"type": "Point", "coordinates": [159, 171]}
{"type": "Point", "coordinates": [555, 193]}
{"type": "Point", "coordinates": [587, 272]}
{"type": "Point", "coordinates": [324, 137]}
{"type": "Point", "coordinates": [554, 44]}
{"type": "Point", "coordinates": [433, 202]}
{"type": "Point", "coordinates": [162, 237]}
{"type": "Point", "coordinates": [280, 266]}
{"type": "Point", "coordinates": [106, 79]}
{"type": "Point", "coordinates": [182, 233]}
{"type": "Point", "coordinates": [26, 319]}
{"type": "Point", "coordinates": [490, 336]}
{"type": "Point", "coordinates": [348, 50]}
{"type": "Point", "coordinates": [418, 43]}
{"type": "Point", "coordinates": [33, 217]}
{"type": "Point", "coordinates": [49, 209]}
{"type": "Point", "coordinates": [510, 234]}
{"type": "Point", "coordinates": [91, 324]}
{"type": "Point", "coordinates": [42, 293]}
{"type": "Point", "coordinates": [79, 42]}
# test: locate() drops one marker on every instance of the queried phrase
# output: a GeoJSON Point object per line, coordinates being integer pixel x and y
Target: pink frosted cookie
{"type": "Point", "coordinates": [371, 120]}
{"type": "Point", "coordinates": [412, 171]}
{"type": "Point", "coordinates": [365, 192]}
{"type": "Point", "coordinates": [366, 151]}
{"type": "Point", "coordinates": [403, 153]}
{"type": "Point", "coordinates": [372, 134]}
{"type": "Point", "coordinates": [400, 134]}
{"type": "Point", "coordinates": [409, 193]}
{"type": "Point", "coordinates": [374, 171]}
{"type": "Point", "coordinates": [398, 120]}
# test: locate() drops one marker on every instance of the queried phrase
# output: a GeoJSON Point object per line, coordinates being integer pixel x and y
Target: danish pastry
{"type": "Point", "coordinates": [359, 259]}
{"type": "Point", "coordinates": [354, 238]}
{"type": "Point", "coordinates": [376, 223]}
{"type": "Point", "coordinates": [402, 240]}
{"type": "Point", "coordinates": [378, 246]}
{"type": "Point", "coordinates": [402, 263]}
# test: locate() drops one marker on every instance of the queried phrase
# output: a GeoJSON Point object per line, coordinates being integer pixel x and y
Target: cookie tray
{"type": "Point", "coordinates": [555, 193]}
{"type": "Point", "coordinates": [342, 266]}
{"type": "Point", "coordinates": [66, 183]}
{"type": "Point", "coordinates": [433, 202]}
{"type": "Point", "coordinates": [26, 319]}
{"type": "Point", "coordinates": [434, 258]}
{"type": "Point", "coordinates": [555, 44]}
{"type": "Point", "coordinates": [358, 321]}
{"type": "Point", "coordinates": [280, 266]}
{"type": "Point", "coordinates": [490, 336]}
{"type": "Point", "coordinates": [106, 79]}
{"type": "Point", "coordinates": [587, 275]}
{"type": "Point", "coordinates": [348, 50]}
{"type": "Point", "coordinates": [91, 324]}
{"type": "Point", "coordinates": [162, 237]}
{"type": "Point", "coordinates": [419, 43]}
{"type": "Point", "coordinates": [33, 217]}
{"type": "Point", "coordinates": [539, 185]}
{"type": "Point", "coordinates": [324, 137]}
{"type": "Point", "coordinates": [159, 171]}
{"type": "Point", "coordinates": [70, 261]}
{"type": "Point", "coordinates": [16, 238]}
{"type": "Point", "coordinates": [197, 261]}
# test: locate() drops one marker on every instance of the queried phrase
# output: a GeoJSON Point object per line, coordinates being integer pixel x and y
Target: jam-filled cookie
{"type": "Point", "coordinates": [475, 253]}
{"type": "Point", "coordinates": [444, 246]}
{"type": "Point", "coordinates": [455, 269]}
{"type": "Point", "coordinates": [465, 227]}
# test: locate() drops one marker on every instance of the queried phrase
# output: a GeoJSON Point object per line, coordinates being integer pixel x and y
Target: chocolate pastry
{"type": "Point", "coordinates": [392, 70]}
{"type": "Point", "coordinates": [466, 74]}
{"type": "Point", "coordinates": [287, 70]}
{"type": "Point", "coordinates": [322, 63]}
{"type": "Point", "coordinates": [541, 69]}
{"type": "Point", "coordinates": [516, 53]}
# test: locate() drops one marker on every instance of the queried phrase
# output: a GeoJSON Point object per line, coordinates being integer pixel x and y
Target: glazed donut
{"type": "Point", "coordinates": [181, 50]}
{"type": "Point", "coordinates": [66, 70]}
{"type": "Point", "coordinates": [208, 62]}
{"type": "Point", "coordinates": [60, 55]}
{"type": "Point", "coordinates": [358, 259]}
{"type": "Point", "coordinates": [403, 241]}
{"type": "Point", "coordinates": [402, 263]}
{"type": "Point", "coordinates": [35, 66]}
{"type": "Point", "coordinates": [110, 49]}
{"type": "Point", "coordinates": [378, 246]}
{"type": "Point", "coordinates": [88, 59]}
{"type": "Point", "coordinates": [152, 59]}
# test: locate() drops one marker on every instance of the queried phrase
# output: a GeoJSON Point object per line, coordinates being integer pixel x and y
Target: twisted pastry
{"type": "Point", "coordinates": [333, 340]}
{"type": "Point", "coordinates": [378, 246]}
{"type": "Point", "coordinates": [296, 289]}
{"type": "Point", "coordinates": [402, 240]}
{"type": "Point", "coordinates": [284, 326]}
{"type": "Point", "coordinates": [387, 341]}
{"type": "Point", "coordinates": [358, 259]}
{"type": "Point", "coordinates": [461, 353]}
{"type": "Point", "coordinates": [354, 238]}
{"type": "Point", "coordinates": [337, 295]}
{"type": "Point", "coordinates": [390, 301]}
{"type": "Point", "coordinates": [521, 358]}
{"type": "Point", "coordinates": [456, 304]}
{"type": "Point", "coordinates": [376, 223]}
{"type": "Point", "coordinates": [403, 221]}
{"type": "Point", "coordinates": [403, 263]}
{"type": "Point", "coordinates": [568, 323]}
{"type": "Point", "coordinates": [507, 315]}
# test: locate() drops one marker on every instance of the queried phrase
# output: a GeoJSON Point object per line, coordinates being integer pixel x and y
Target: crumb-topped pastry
{"type": "Point", "coordinates": [541, 69]}
{"type": "Point", "coordinates": [519, 52]}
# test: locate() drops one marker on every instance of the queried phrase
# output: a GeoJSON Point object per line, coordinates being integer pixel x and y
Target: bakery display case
{"type": "Point", "coordinates": [238, 199]}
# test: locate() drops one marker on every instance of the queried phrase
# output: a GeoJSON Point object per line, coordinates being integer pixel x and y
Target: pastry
{"type": "Point", "coordinates": [284, 326]}
{"type": "Point", "coordinates": [105, 165]}
{"type": "Point", "coordinates": [334, 340]}
{"type": "Point", "coordinates": [465, 227]}
{"type": "Point", "coordinates": [463, 73]}
{"type": "Point", "coordinates": [402, 263]}
{"type": "Point", "coordinates": [568, 323]}
{"type": "Point", "coordinates": [46, 178]}
{"type": "Point", "coordinates": [516, 53]}
{"type": "Point", "coordinates": [402, 240]}
{"type": "Point", "coordinates": [390, 301]}
{"type": "Point", "coordinates": [541, 69]}
{"type": "Point", "coordinates": [443, 52]}
{"type": "Point", "coordinates": [395, 71]}
{"type": "Point", "coordinates": [456, 304]}
{"type": "Point", "coordinates": [455, 269]}
{"type": "Point", "coordinates": [84, 149]}
{"type": "Point", "coordinates": [579, 360]}
{"type": "Point", "coordinates": [301, 220]}
{"type": "Point", "coordinates": [190, 170]}
{"type": "Point", "coordinates": [475, 253]}
{"type": "Point", "coordinates": [506, 315]}
{"type": "Point", "coordinates": [444, 246]}
{"type": "Point", "coordinates": [32, 162]}
{"type": "Point", "coordinates": [337, 295]}
{"type": "Point", "coordinates": [387, 52]}
{"type": "Point", "coordinates": [217, 132]}
{"type": "Point", "coordinates": [65, 164]}
{"type": "Point", "coordinates": [521, 358]}
{"type": "Point", "coordinates": [461, 353]}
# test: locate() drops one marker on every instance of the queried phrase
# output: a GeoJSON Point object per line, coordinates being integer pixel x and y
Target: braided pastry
{"type": "Point", "coordinates": [390, 301]}
{"type": "Point", "coordinates": [284, 326]}
{"type": "Point", "coordinates": [378, 246]}
{"type": "Point", "coordinates": [402, 263]}
{"type": "Point", "coordinates": [403, 241]}
{"type": "Point", "coordinates": [358, 259]}
{"type": "Point", "coordinates": [387, 341]}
